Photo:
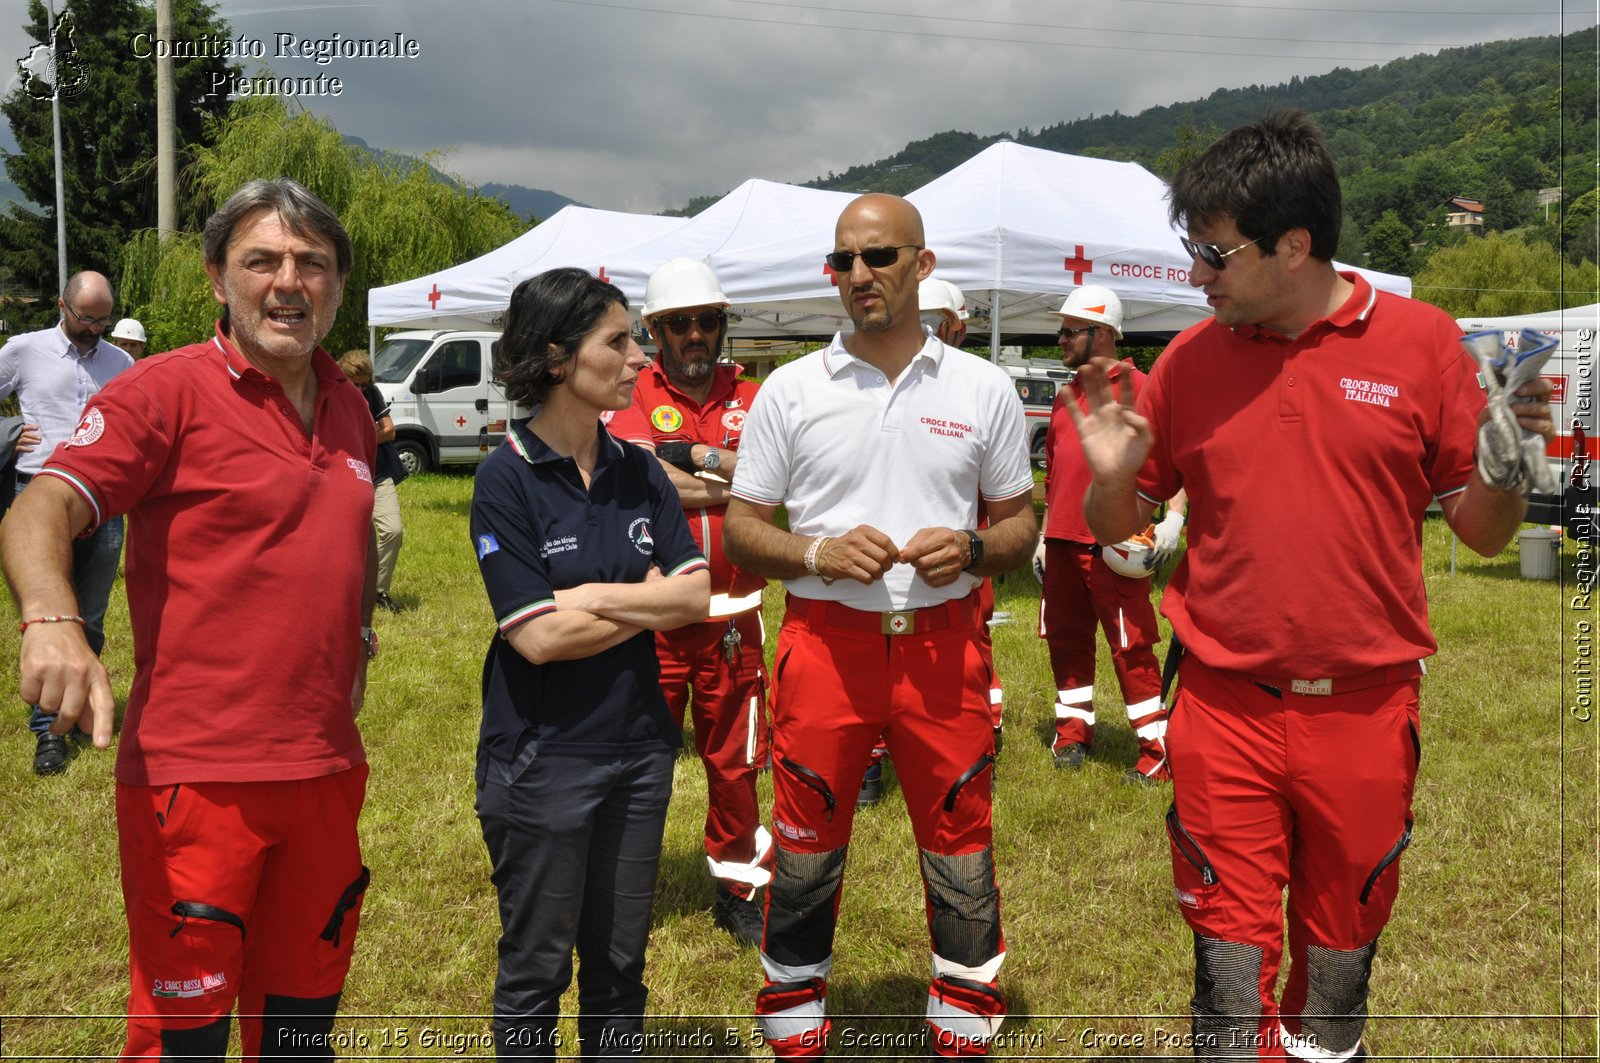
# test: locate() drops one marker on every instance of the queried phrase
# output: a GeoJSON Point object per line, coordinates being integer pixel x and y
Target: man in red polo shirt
{"type": "Point", "coordinates": [689, 409]}
{"type": "Point", "coordinates": [1080, 589]}
{"type": "Point", "coordinates": [245, 465]}
{"type": "Point", "coordinates": [1312, 422]}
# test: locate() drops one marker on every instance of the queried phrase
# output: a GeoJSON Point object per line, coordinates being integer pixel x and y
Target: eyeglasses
{"type": "Point", "coordinates": [874, 257]}
{"type": "Point", "coordinates": [709, 321]}
{"type": "Point", "coordinates": [1068, 333]}
{"type": "Point", "coordinates": [90, 321]}
{"type": "Point", "coordinates": [1211, 254]}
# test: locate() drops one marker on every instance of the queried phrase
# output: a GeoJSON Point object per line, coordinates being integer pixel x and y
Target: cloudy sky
{"type": "Point", "coordinates": [641, 104]}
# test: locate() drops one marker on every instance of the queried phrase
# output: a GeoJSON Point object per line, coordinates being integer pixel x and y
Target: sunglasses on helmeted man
{"type": "Point", "coordinates": [875, 257]}
{"type": "Point", "coordinates": [708, 320]}
{"type": "Point", "coordinates": [1211, 254]}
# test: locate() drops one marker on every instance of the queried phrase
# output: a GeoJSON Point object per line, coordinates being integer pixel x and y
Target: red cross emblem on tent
{"type": "Point", "coordinates": [833, 278]}
{"type": "Point", "coordinates": [602, 275]}
{"type": "Point", "coordinates": [461, 422]}
{"type": "Point", "coordinates": [433, 297]}
{"type": "Point", "coordinates": [1077, 265]}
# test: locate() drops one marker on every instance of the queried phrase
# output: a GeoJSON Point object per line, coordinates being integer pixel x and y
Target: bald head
{"type": "Point", "coordinates": [85, 306]}
{"type": "Point", "coordinates": [892, 212]}
{"type": "Point", "coordinates": [87, 286]}
{"type": "Point", "coordinates": [882, 298]}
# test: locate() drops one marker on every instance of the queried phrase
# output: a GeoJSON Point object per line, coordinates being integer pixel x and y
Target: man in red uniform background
{"type": "Point", "coordinates": [1312, 422]}
{"type": "Point", "coordinates": [245, 464]}
{"type": "Point", "coordinates": [689, 409]}
{"type": "Point", "coordinates": [1079, 587]}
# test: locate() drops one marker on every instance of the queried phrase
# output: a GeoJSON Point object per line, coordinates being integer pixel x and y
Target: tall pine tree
{"type": "Point", "coordinates": [108, 138]}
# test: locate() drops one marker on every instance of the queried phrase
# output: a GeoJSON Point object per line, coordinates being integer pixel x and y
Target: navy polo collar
{"type": "Point", "coordinates": [536, 451]}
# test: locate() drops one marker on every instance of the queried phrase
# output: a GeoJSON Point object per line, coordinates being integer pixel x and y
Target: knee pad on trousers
{"type": "Point", "coordinates": [298, 1027]}
{"type": "Point", "coordinates": [802, 904]}
{"type": "Point", "coordinates": [1336, 997]}
{"type": "Point", "coordinates": [1227, 999]}
{"type": "Point", "coordinates": [792, 1017]}
{"type": "Point", "coordinates": [964, 906]}
{"type": "Point", "coordinates": [197, 1044]}
{"type": "Point", "coordinates": [963, 1016]}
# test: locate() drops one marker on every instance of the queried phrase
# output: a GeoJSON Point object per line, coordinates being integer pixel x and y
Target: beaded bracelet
{"type": "Point", "coordinates": [22, 628]}
{"type": "Point", "coordinates": [812, 553]}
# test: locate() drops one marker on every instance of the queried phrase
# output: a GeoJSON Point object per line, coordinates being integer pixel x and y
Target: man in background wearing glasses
{"type": "Point", "coordinates": [880, 447]}
{"type": "Point", "coordinates": [689, 409]}
{"type": "Point", "coordinates": [54, 373]}
{"type": "Point", "coordinates": [1312, 423]}
{"type": "Point", "coordinates": [1080, 589]}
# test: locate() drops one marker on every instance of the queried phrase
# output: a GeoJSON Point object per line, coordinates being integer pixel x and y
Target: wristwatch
{"type": "Point", "coordinates": [369, 638]}
{"type": "Point", "coordinates": [712, 459]}
{"type": "Point", "coordinates": [975, 544]}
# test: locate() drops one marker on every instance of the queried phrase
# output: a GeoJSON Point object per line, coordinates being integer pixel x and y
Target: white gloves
{"type": "Point", "coordinates": [1508, 454]}
{"type": "Point", "coordinates": [1165, 540]}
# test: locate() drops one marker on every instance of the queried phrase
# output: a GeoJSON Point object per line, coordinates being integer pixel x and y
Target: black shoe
{"type": "Point", "coordinates": [386, 602]}
{"type": "Point", "coordinates": [871, 786]}
{"type": "Point", "coordinates": [50, 758]}
{"type": "Point", "coordinates": [1070, 755]}
{"type": "Point", "coordinates": [1135, 777]}
{"type": "Point", "coordinates": [739, 917]}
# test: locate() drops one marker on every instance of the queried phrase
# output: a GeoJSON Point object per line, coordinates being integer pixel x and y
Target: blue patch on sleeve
{"type": "Point", "coordinates": [486, 546]}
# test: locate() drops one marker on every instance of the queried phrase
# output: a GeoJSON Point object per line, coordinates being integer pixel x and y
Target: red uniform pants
{"type": "Point", "coordinates": [239, 892]}
{"type": "Point", "coordinates": [727, 702]}
{"type": "Point", "coordinates": [841, 680]}
{"type": "Point", "coordinates": [1080, 592]}
{"type": "Point", "coordinates": [1274, 790]}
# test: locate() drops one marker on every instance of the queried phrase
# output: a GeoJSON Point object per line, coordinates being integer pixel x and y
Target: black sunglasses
{"type": "Point", "coordinates": [874, 257]}
{"type": "Point", "coordinates": [1211, 254]}
{"type": "Point", "coordinates": [708, 320]}
{"type": "Point", "coordinates": [1068, 333]}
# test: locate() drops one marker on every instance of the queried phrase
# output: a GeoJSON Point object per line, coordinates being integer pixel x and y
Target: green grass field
{"type": "Point", "coordinates": [1492, 951]}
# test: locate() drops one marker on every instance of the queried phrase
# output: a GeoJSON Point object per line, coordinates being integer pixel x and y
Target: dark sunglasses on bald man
{"type": "Point", "coordinates": [875, 257]}
{"type": "Point", "coordinates": [708, 320]}
{"type": "Point", "coordinates": [1211, 254]}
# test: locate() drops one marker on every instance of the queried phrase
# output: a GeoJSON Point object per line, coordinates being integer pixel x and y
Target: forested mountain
{"type": "Point", "coordinates": [1494, 122]}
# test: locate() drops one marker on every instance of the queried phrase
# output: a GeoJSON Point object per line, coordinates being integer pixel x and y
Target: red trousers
{"type": "Point", "coordinates": [239, 892]}
{"type": "Point", "coordinates": [728, 703]}
{"type": "Point", "coordinates": [1081, 592]}
{"type": "Point", "coordinates": [1308, 793]}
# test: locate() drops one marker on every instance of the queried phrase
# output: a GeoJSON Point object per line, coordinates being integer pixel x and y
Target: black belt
{"type": "Point", "coordinates": [24, 477]}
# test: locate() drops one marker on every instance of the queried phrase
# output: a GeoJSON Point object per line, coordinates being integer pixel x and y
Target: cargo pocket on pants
{"type": "Point", "coordinates": [1195, 883]}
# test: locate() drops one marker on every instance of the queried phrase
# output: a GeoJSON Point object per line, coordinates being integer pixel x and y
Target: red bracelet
{"type": "Point", "coordinates": [22, 628]}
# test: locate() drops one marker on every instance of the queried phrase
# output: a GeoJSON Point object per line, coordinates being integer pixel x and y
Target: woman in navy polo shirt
{"type": "Point", "coordinates": [584, 552]}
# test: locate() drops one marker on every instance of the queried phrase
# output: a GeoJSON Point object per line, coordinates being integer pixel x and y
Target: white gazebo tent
{"type": "Point", "coordinates": [474, 294]}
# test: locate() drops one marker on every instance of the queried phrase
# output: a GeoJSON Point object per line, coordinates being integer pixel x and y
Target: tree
{"type": "Point", "coordinates": [1389, 245]}
{"type": "Point", "coordinates": [1502, 274]}
{"type": "Point", "coordinates": [108, 136]}
{"type": "Point", "coordinates": [404, 218]}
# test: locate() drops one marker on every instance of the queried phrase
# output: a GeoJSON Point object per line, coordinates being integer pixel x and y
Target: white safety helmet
{"type": "Point", "coordinates": [936, 294]}
{"type": "Point", "coordinates": [679, 283]}
{"type": "Point", "coordinates": [1132, 556]}
{"type": "Point", "coordinates": [129, 329]}
{"type": "Point", "coordinates": [1094, 303]}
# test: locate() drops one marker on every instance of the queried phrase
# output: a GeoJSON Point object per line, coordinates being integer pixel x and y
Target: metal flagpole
{"type": "Point", "coordinates": [55, 123]}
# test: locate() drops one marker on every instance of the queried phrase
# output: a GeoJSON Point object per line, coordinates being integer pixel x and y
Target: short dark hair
{"type": "Point", "coordinates": [549, 316]}
{"type": "Point", "coordinates": [1268, 177]}
{"type": "Point", "coordinates": [301, 212]}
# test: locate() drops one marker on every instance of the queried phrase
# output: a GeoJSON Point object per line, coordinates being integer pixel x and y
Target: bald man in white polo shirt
{"type": "Point", "coordinates": [879, 446]}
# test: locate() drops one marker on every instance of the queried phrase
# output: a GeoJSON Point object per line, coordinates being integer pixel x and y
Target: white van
{"type": "Point", "coordinates": [1037, 381]}
{"type": "Point", "coordinates": [440, 387]}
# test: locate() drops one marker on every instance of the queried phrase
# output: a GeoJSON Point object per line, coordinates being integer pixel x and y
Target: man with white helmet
{"type": "Point", "coordinates": [129, 335]}
{"type": "Point", "coordinates": [689, 409]}
{"type": "Point", "coordinates": [1082, 587]}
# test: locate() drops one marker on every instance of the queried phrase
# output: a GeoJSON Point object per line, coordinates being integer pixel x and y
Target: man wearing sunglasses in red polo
{"type": "Point", "coordinates": [1312, 423]}
{"type": "Point", "coordinates": [689, 408]}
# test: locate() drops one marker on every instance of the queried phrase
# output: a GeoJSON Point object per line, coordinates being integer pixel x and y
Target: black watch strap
{"type": "Point", "coordinates": [974, 551]}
